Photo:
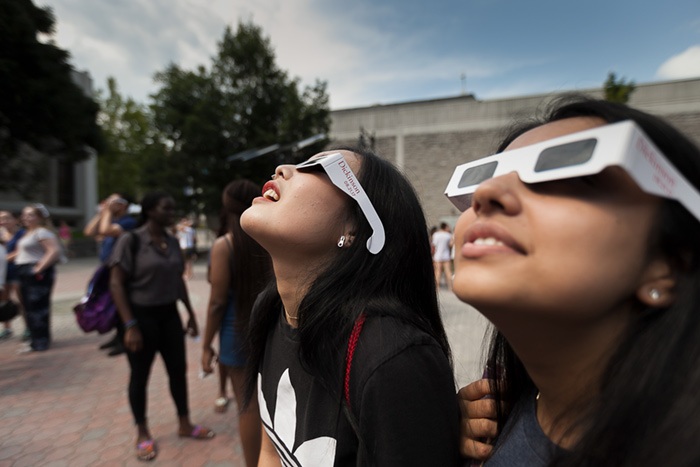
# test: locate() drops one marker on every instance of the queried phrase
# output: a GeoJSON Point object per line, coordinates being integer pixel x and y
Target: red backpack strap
{"type": "Point", "coordinates": [352, 344]}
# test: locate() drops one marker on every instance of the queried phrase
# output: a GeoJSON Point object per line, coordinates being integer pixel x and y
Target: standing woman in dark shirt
{"type": "Point", "coordinates": [146, 282]}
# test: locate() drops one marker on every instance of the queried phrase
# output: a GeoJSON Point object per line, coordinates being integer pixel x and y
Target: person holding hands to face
{"type": "Point", "coordinates": [108, 224]}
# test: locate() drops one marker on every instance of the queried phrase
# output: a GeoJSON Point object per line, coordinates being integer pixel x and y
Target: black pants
{"type": "Point", "coordinates": [36, 297]}
{"type": "Point", "coordinates": [120, 332]}
{"type": "Point", "coordinates": [162, 332]}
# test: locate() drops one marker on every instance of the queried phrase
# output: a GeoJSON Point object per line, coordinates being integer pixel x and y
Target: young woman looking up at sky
{"type": "Point", "coordinates": [593, 285]}
{"type": "Point", "coordinates": [347, 344]}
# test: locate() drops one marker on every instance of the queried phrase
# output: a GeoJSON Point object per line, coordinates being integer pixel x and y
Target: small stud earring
{"type": "Point", "coordinates": [654, 294]}
{"type": "Point", "coordinates": [341, 242]}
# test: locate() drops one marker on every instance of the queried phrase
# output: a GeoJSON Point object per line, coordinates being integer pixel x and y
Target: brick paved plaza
{"type": "Point", "coordinates": [68, 406]}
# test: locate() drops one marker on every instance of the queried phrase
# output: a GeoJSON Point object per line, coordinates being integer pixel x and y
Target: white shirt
{"type": "Point", "coordinates": [186, 238]}
{"type": "Point", "coordinates": [29, 248]}
{"type": "Point", "coordinates": [441, 242]}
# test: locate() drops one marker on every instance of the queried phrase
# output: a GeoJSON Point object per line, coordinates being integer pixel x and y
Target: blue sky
{"type": "Point", "coordinates": [386, 51]}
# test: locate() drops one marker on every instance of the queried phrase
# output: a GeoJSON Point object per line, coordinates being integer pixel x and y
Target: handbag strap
{"type": "Point", "coordinates": [352, 344]}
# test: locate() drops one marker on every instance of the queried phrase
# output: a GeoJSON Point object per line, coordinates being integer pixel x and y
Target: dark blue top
{"type": "Point", "coordinates": [127, 223]}
{"type": "Point", "coordinates": [10, 246]}
{"type": "Point", "coordinates": [523, 443]}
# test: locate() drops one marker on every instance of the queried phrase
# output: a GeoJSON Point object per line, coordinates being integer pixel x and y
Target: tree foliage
{"type": "Point", "coordinates": [40, 105]}
{"type": "Point", "coordinates": [130, 143]}
{"type": "Point", "coordinates": [243, 101]}
{"type": "Point", "coordinates": [617, 90]}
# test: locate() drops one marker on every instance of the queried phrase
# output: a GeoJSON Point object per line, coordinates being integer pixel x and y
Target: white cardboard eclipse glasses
{"type": "Point", "coordinates": [343, 177]}
{"type": "Point", "coordinates": [579, 154]}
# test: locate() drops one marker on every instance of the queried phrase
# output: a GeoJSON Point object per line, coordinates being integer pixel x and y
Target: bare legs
{"type": "Point", "coordinates": [446, 267]}
{"type": "Point", "coordinates": [249, 425]}
{"type": "Point", "coordinates": [223, 377]}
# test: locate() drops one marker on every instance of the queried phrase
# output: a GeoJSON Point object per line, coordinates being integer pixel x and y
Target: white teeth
{"type": "Point", "coordinates": [271, 194]}
{"type": "Point", "coordinates": [488, 241]}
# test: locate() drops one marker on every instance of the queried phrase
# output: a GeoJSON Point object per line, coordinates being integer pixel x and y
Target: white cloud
{"type": "Point", "coordinates": [133, 39]}
{"type": "Point", "coordinates": [684, 65]}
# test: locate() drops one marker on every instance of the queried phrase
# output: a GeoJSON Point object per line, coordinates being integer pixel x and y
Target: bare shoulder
{"type": "Point", "coordinates": [220, 247]}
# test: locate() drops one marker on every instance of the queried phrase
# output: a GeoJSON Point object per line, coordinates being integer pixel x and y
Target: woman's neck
{"type": "Point", "coordinates": [292, 284]}
{"type": "Point", "coordinates": [155, 230]}
{"type": "Point", "coordinates": [566, 364]}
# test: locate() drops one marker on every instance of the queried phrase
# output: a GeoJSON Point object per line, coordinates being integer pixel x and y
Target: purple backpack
{"type": "Point", "coordinates": [96, 311]}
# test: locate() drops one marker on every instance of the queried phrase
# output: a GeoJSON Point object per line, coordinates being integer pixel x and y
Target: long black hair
{"type": "Point", "coordinates": [399, 281]}
{"type": "Point", "coordinates": [646, 411]}
{"type": "Point", "coordinates": [251, 263]}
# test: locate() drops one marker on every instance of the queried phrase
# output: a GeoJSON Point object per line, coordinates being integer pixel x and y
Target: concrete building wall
{"type": "Point", "coordinates": [427, 139]}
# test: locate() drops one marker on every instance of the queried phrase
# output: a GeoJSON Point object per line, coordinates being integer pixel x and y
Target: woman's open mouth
{"type": "Point", "coordinates": [270, 192]}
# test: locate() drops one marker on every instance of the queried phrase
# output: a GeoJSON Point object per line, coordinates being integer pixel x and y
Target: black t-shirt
{"type": "Point", "coordinates": [402, 396]}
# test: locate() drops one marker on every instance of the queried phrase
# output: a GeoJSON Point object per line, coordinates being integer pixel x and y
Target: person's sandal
{"type": "Point", "coordinates": [146, 451]}
{"type": "Point", "coordinates": [221, 405]}
{"type": "Point", "coordinates": [199, 432]}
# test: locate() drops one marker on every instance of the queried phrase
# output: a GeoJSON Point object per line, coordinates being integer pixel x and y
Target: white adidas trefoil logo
{"type": "Point", "coordinates": [313, 452]}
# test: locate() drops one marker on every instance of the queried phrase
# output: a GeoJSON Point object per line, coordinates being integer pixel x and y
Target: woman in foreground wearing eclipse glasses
{"type": "Point", "coordinates": [592, 280]}
{"type": "Point", "coordinates": [348, 350]}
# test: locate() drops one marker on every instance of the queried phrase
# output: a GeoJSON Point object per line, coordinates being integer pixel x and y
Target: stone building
{"type": "Point", "coordinates": [427, 139]}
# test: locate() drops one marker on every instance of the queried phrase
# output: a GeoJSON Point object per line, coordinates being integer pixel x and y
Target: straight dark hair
{"type": "Point", "coordinates": [399, 281]}
{"type": "Point", "coordinates": [251, 263]}
{"type": "Point", "coordinates": [646, 412]}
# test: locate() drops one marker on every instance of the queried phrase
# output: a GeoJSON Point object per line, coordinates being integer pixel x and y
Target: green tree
{"type": "Point", "coordinates": [617, 90]}
{"type": "Point", "coordinates": [40, 105]}
{"type": "Point", "coordinates": [131, 140]}
{"type": "Point", "coordinates": [187, 111]}
{"type": "Point", "coordinates": [243, 101]}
